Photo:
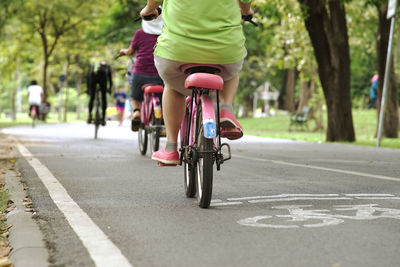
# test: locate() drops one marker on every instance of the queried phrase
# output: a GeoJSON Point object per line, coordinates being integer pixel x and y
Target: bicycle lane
{"type": "Point", "coordinates": [163, 228]}
{"type": "Point", "coordinates": [305, 188]}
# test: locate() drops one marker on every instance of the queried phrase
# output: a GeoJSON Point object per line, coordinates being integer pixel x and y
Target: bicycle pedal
{"type": "Point", "coordinates": [160, 164]}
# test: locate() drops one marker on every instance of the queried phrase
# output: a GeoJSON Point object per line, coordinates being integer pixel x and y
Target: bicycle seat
{"type": "Point", "coordinates": [204, 68]}
{"type": "Point", "coordinates": [204, 80]}
{"type": "Point", "coordinates": [152, 88]}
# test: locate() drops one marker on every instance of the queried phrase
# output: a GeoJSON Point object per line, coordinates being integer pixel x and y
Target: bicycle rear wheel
{"type": "Point", "coordinates": [33, 114]}
{"type": "Point", "coordinates": [204, 168]}
{"type": "Point", "coordinates": [155, 125]}
{"type": "Point", "coordinates": [189, 163]}
{"type": "Point", "coordinates": [142, 139]}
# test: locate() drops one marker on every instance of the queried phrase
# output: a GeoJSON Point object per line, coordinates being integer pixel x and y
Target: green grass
{"type": "Point", "coordinates": [24, 119]}
{"type": "Point", "coordinates": [365, 122]}
{"type": "Point", "coordinates": [3, 206]}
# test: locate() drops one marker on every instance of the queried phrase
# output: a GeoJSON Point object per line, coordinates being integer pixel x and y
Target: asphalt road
{"type": "Point", "coordinates": [276, 203]}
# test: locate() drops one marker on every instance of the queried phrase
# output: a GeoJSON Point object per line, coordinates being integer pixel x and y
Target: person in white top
{"type": "Point", "coordinates": [35, 94]}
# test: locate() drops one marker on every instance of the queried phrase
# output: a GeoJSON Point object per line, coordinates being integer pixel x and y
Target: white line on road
{"type": "Point", "coordinates": [369, 195]}
{"type": "Point", "coordinates": [283, 195]}
{"type": "Point", "coordinates": [297, 198]}
{"type": "Point", "coordinates": [378, 198]}
{"type": "Point", "coordinates": [381, 177]}
{"type": "Point", "coordinates": [225, 204]}
{"type": "Point", "coordinates": [102, 251]}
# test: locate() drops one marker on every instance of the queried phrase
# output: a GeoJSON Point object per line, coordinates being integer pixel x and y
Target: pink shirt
{"type": "Point", "coordinates": [143, 44]}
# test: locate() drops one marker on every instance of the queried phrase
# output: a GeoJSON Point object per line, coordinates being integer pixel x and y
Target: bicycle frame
{"type": "Point", "coordinates": [151, 103]}
{"type": "Point", "coordinates": [34, 115]}
{"type": "Point", "coordinates": [151, 117]}
{"type": "Point", "coordinates": [210, 121]}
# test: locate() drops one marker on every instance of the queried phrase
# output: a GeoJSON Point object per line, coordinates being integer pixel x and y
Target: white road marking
{"type": "Point", "coordinates": [377, 198]}
{"type": "Point", "coordinates": [102, 251]}
{"type": "Point", "coordinates": [225, 204]}
{"type": "Point", "coordinates": [381, 177]}
{"type": "Point", "coordinates": [369, 195]}
{"type": "Point", "coordinates": [284, 195]}
{"type": "Point", "coordinates": [297, 198]}
{"type": "Point", "coordinates": [301, 214]}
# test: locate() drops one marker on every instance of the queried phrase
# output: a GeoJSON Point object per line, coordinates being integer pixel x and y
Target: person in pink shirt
{"type": "Point", "coordinates": [144, 71]}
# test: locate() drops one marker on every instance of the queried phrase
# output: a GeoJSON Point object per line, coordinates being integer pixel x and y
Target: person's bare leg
{"type": "Point", "coordinates": [228, 93]}
{"type": "Point", "coordinates": [119, 112]}
{"type": "Point", "coordinates": [135, 105]}
{"type": "Point", "coordinates": [231, 128]}
{"type": "Point", "coordinates": [173, 112]}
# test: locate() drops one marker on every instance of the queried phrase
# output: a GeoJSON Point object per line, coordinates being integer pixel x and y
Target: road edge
{"type": "Point", "coordinates": [25, 238]}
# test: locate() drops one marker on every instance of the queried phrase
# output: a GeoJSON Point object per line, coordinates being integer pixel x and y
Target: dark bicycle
{"type": "Point", "coordinates": [98, 119]}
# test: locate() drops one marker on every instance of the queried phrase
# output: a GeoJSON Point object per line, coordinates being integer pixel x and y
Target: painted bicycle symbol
{"type": "Point", "coordinates": [302, 215]}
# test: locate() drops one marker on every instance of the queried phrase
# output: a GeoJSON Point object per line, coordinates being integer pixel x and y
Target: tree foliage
{"type": "Point", "coordinates": [38, 38]}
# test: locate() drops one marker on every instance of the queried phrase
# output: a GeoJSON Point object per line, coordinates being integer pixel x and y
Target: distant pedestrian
{"type": "Point", "coordinates": [373, 92]}
{"type": "Point", "coordinates": [119, 98]}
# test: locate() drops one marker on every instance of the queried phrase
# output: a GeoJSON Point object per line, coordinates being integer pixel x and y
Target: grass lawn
{"type": "Point", "coordinates": [365, 122]}
{"type": "Point", "coordinates": [24, 119]}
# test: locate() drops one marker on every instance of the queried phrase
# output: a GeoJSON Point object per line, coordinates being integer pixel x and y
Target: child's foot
{"type": "Point", "coordinates": [230, 127]}
{"type": "Point", "coordinates": [136, 121]}
{"type": "Point", "coordinates": [166, 158]}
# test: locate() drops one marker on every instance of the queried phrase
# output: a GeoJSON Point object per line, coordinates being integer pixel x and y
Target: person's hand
{"type": "Point", "coordinates": [149, 12]}
{"type": "Point", "coordinates": [123, 52]}
{"type": "Point", "coordinates": [247, 12]}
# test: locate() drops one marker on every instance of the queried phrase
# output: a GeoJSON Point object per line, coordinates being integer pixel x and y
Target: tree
{"type": "Point", "coordinates": [52, 21]}
{"type": "Point", "coordinates": [326, 24]}
{"type": "Point", "coordinates": [391, 122]}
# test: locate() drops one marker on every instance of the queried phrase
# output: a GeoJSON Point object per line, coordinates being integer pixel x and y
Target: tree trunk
{"type": "Point", "coordinates": [45, 65]}
{"type": "Point", "coordinates": [66, 66]}
{"type": "Point", "coordinates": [281, 98]}
{"type": "Point", "coordinates": [290, 90]}
{"type": "Point", "coordinates": [78, 81]}
{"type": "Point", "coordinates": [391, 122]}
{"type": "Point", "coordinates": [326, 24]}
{"type": "Point", "coordinates": [79, 91]}
{"type": "Point", "coordinates": [304, 94]}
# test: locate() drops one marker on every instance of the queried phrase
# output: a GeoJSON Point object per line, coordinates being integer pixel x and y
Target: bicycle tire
{"type": "Point", "coordinates": [142, 139]}
{"type": "Point", "coordinates": [204, 174]}
{"type": "Point", "coordinates": [97, 117]}
{"type": "Point", "coordinates": [188, 168]}
{"type": "Point", "coordinates": [33, 113]}
{"type": "Point", "coordinates": [155, 134]}
{"type": "Point", "coordinates": [33, 120]}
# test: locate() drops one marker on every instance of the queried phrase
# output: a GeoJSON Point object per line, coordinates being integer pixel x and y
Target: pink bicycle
{"type": "Point", "coordinates": [151, 116]}
{"type": "Point", "coordinates": [200, 137]}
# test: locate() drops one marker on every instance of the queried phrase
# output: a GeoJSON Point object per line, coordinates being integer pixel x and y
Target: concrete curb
{"type": "Point", "coordinates": [25, 237]}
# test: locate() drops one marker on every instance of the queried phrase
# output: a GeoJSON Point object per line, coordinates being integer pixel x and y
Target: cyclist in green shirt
{"type": "Point", "coordinates": [204, 32]}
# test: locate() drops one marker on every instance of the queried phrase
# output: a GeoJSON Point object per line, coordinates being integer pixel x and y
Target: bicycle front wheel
{"type": "Point", "coordinates": [204, 174]}
{"type": "Point", "coordinates": [97, 117]}
{"type": "Point", "coordinates": [96, 123]}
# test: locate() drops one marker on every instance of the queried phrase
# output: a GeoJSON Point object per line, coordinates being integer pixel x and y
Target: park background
{"type": "Point", "coordinates": [319, 54]}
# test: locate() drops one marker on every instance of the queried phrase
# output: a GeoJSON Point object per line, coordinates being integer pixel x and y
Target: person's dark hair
{"type": "Point", "coordinates": [33, 82]}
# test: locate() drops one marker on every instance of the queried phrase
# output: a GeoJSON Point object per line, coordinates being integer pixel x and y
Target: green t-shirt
{"type": "Point", "coordinates": [201, 31]}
